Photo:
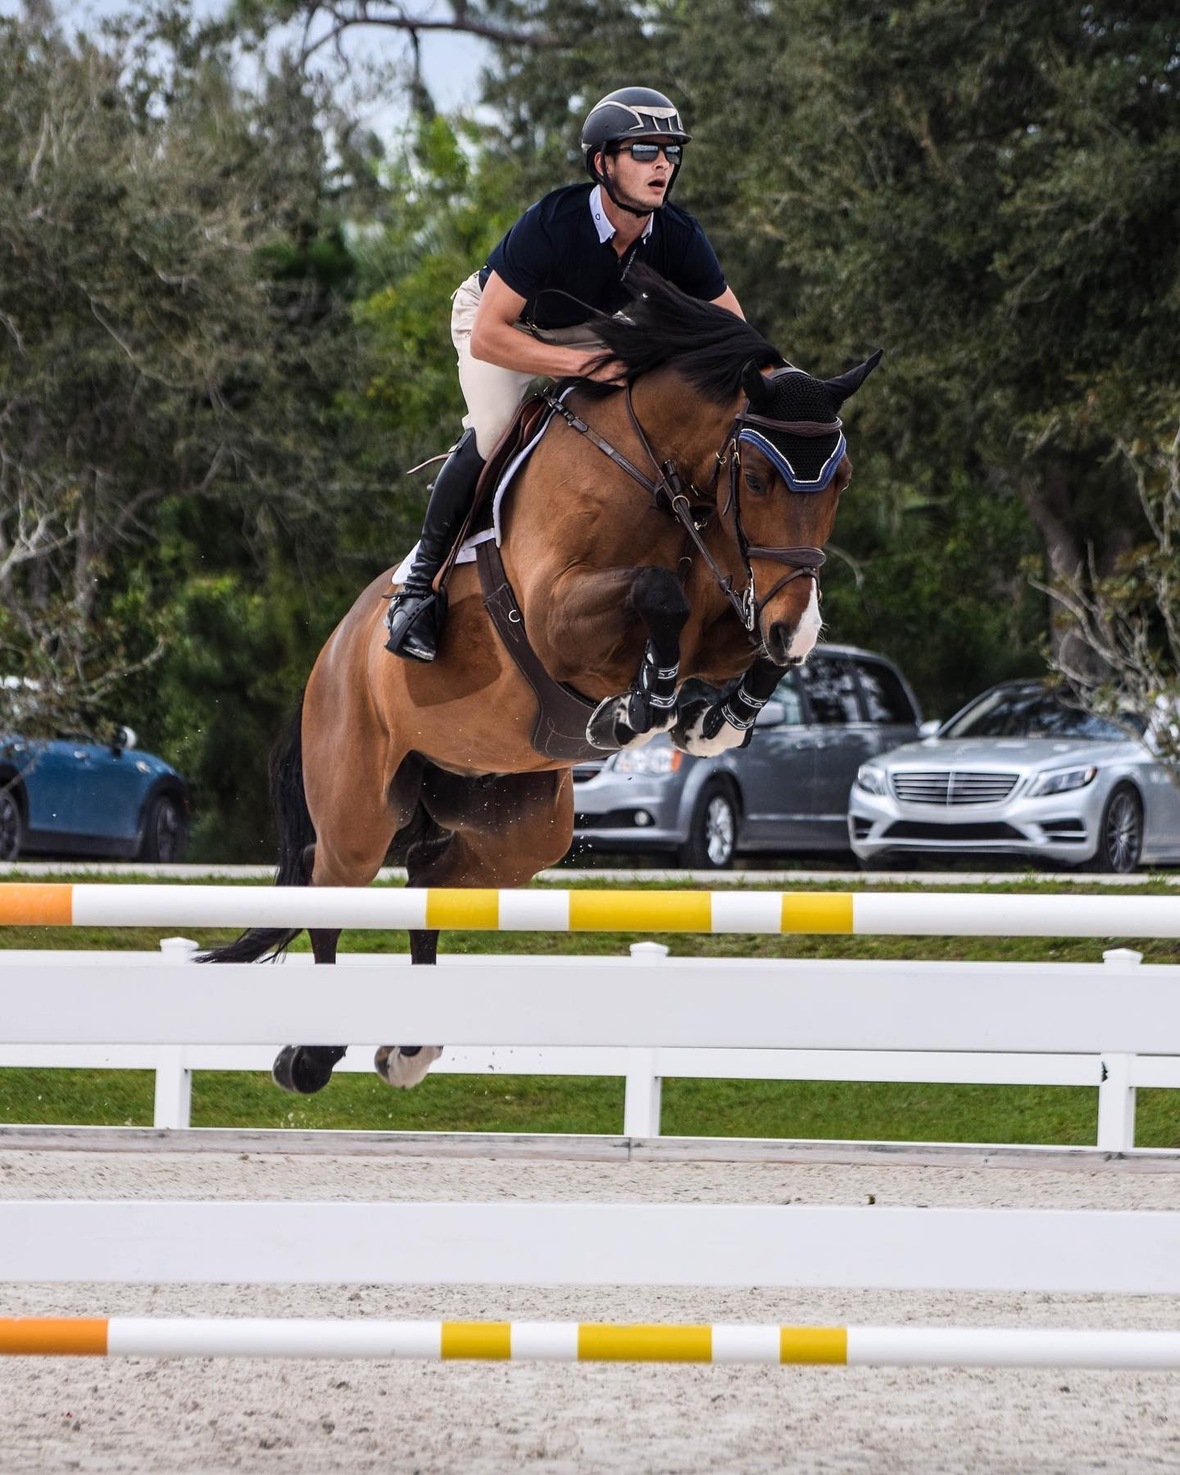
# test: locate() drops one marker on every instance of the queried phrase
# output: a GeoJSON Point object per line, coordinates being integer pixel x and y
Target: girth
{"type": "Point", "coordinates": [559, 730]}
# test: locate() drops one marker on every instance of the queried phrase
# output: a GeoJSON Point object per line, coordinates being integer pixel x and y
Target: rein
{"type": "Point", "coordinates": [668, 493]}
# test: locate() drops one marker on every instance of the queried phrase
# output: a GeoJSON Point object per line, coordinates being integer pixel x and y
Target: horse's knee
{"type": "Point", "coordinates": [658, 597]}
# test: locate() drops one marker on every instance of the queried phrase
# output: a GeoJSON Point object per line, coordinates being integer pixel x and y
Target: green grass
{"type": "Point", "coordinates": [802, 1109]}
{"type": "Point", "coordinates": [856, 1110]}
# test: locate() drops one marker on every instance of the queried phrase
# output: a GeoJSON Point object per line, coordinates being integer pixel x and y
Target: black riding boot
{"type": "Point", "coordinates": [416, 615]}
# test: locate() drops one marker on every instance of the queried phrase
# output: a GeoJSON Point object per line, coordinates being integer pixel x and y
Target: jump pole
{"type": "Point", "coordinates": [944, 914]}
{"type": "Point", "coordinates": [880, 1247]}
{"type": "Point", "coordinates": [532, 1341]}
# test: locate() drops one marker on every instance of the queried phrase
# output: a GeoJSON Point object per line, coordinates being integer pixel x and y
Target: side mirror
{"type": "Point", "coordinates": [929, 729]}
{"type": "Point", "coordinates": [124, 738]}
{"type": "Point", "coordinates": [774, 714]}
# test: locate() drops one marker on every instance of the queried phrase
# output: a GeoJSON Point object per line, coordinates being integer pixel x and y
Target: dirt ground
{"type": "Point", "coordinates": [143, 1417]}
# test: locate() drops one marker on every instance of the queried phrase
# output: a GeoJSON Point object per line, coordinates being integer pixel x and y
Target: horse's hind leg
{"type": "Point", "coordinates": [347, 853]}
{"type": "Point", "coordinates": [306, 1069]}
{"type": "Point", "coordinates": [504, 830]}
{"type": "Point", "coordinates": [405, 1065]}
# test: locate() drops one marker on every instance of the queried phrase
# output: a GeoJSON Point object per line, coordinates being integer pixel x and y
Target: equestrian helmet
{"type": "Point", "coordinates": [629, 112]}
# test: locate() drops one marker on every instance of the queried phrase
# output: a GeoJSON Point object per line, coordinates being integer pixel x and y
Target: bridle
{"type": "Point", "coordinates": [668, 492]}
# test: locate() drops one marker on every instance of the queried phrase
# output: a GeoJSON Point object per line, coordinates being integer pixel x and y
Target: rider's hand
{"type": "Point", "coordinates": [612, 372]}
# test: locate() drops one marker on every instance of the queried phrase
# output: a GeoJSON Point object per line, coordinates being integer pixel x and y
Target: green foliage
{"type": "Point", "coordinates": [991, 197]}
{"type": "Point", "coordinates": [186, 500]}
{"type": "Point", "coordinates": [225, 317]}
{"type": "Point", "coordinates": [452, 207]}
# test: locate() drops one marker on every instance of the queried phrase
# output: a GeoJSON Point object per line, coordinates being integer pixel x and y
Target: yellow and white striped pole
{"type": "Point", "coordinates": [523, 1341]}
{"type": "Point", "coordinates": [945, 914]}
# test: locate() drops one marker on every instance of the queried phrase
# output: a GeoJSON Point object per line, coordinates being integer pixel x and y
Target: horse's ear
{"type": "Point", "coordinates": [754, 384]}
{"type": "Point", "coordinates": [848, 383]}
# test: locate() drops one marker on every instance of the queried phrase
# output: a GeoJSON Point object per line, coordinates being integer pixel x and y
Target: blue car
{"type": "Point", "coordinates": [63, 796]}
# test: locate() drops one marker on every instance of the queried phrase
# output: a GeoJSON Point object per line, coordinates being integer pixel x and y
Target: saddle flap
{"type": "Point", "coordinates": [514, 440]}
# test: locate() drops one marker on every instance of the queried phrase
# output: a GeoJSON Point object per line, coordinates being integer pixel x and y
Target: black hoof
{"type": "Point", "coordinates": [305, 1069]}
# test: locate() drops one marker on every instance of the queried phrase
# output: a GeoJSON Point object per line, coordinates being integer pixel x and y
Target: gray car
{"type": "Point", "coordinates": [1019, 771]}
{"type": "Point", "coordinates": [787, 791]}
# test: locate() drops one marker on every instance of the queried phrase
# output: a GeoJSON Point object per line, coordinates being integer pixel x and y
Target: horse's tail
{"type": "Point", "coordinates": [296, 836]}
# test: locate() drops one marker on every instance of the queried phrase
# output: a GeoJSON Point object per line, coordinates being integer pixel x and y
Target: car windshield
{"type": "Point", "coordinates": [1031, 711]}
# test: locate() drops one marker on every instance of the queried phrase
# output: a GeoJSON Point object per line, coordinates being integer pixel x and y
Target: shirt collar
{"type": "Point", "coordinates": [601, 221]}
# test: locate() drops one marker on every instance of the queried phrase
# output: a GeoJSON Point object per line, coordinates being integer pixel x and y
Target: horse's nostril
{"type": "Point", "coordinates": [778, 642]}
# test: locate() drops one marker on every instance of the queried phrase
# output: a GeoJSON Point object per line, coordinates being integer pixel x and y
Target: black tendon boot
{"type": "Point", "coordinates": [415, 616]}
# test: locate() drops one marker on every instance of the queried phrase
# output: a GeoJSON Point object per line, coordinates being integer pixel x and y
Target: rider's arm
{"type": "Point", "coordinates": [496, 339]}
{"type": "Point", "coordinates": [728, 301]}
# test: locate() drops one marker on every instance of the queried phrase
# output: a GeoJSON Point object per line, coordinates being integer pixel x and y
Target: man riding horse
{"type": "Point", "coordinates": [700, 480]}
{"type": "Point", "coordinates": [526, 313]}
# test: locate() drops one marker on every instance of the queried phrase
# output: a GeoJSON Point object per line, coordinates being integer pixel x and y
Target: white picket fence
{"type": "Point", "coordinates": [1113, 1026]}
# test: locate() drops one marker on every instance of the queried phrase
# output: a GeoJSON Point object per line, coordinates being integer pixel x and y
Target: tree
{"type": "Point", "coordinates": [174, 433]}
{"type": "Point", "coordinates": [1120, 650]}
{"type": "Point", "coordinates": [996, 194]}
{"type": "Point", "coordinates": [990, 195]}
{"type": "Point", "coordinates": [143, 338]}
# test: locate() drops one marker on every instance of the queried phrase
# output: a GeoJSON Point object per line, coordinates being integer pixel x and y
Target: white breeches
{"type": "Point", "coordinates": [492, 393]}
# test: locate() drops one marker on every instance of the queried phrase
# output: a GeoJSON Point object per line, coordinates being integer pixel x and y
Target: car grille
{"type": "Point", "coordinates": [909, 829]}
{"type": "Point", "coordinates": [950, 786]}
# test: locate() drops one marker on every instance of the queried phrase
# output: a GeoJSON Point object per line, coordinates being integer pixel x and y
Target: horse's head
{"type": "Point", "coordinates": [783, 449]}
{"type": "Point", "coordinates": [787, 463]}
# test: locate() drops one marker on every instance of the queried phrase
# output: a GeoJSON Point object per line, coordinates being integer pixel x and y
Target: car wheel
{"type": "Point", "coordinates": [165, 831]}
{"type": "Point", "coordinates": [712, 834]}
{"type": "Point", "coordinates": [1120, 835]}
{"type": "Point", "coordinates": [12, 822]}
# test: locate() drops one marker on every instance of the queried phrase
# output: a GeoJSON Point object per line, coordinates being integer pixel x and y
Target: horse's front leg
{"type": "Point", "coordinates": [648, 707]}
{"type": "Point", "coordinates": [705, 729]}
{"type": "Point", "coordinates": [404, 1066]}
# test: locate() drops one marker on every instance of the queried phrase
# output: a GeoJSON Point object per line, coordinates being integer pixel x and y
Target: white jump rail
{"type": "Point", "coordinates": [588, 1244]}
{"type": "Point", "coordinates": [571, 1341]}
{"type": "Point", "coordinates": [1112, 1026]}
{"type": "Point", "coordinates": [945, 914]}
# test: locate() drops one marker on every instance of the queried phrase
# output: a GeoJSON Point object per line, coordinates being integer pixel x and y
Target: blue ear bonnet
{"type": "Point", "coordinates": [792, 464]}
{"type": "Point", "coordinates": [797, 429]}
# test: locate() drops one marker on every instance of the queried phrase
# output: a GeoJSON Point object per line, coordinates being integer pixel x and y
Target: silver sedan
{"type": "Point", "coordinates": [1019, 771]}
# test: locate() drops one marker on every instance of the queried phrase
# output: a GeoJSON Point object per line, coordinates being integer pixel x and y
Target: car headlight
{"type": "Point", "coordinates": [1062, 781]}
{"type": "Point", "coordinates": [664, 759]}
{"type": "Point", "coordinates": [872, 779]}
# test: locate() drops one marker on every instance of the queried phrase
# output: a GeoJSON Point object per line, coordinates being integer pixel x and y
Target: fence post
{"type": "Point", "coordinates": [174, 1081]}
{"type": "Point", "coordinates": [1116, 1094]}
{"type": "Point", "coordinates": [643, 1087]}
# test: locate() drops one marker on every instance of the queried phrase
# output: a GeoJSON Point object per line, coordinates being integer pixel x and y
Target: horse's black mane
{"type": "Point", "coordinates": [666, 328]}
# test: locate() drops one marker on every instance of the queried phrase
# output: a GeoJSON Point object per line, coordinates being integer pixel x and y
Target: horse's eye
{"type": "Point", "coordinates": [755, 483]}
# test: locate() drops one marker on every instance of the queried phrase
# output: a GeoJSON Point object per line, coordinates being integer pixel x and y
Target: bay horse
{"type": "Point", "coordinates": [638, 539]}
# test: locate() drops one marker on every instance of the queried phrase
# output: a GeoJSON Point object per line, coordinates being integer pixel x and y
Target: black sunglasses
{"type": "Point", "coordinates": [648, 153]}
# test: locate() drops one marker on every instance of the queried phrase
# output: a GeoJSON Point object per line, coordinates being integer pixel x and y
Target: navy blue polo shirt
{"type": "Point", "coordinates": [555, 245]}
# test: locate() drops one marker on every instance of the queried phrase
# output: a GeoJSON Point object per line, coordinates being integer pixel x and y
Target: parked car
{"type": "Point", "coordinates": [66, 796]}
{"type": "Point", "coordinates": [1020, 771]}
{"type": "Point", "coordinates": [787, 791]}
